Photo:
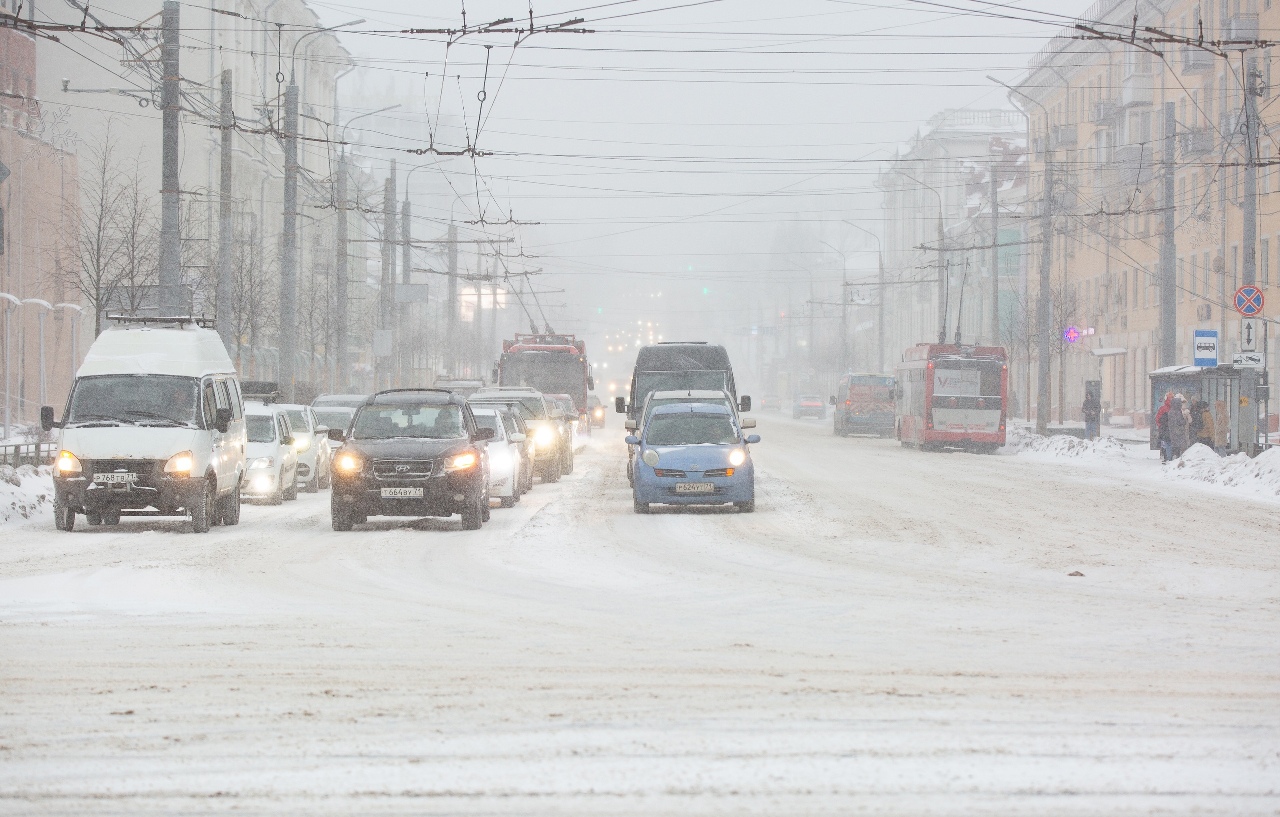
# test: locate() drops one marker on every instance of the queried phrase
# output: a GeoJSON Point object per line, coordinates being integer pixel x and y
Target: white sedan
{"type": "Point", "coordinates": [506, 457]}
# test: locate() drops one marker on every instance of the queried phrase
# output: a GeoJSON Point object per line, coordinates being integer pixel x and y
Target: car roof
{"type": "Point", "coordinates": [507, 390]}
{"type": "Point", "coordinates": [261, 409]}
{"type": "Point", "coordinates": [691, 408]}
{"type": "Point", "coordinates": [395, 397]}
{"type": "Point", "coordinates": [292, 406]}
{"type": "Point", "coordinates": [700, 394]}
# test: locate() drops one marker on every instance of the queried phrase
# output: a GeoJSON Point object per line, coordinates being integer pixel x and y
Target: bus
{"type": "Point", "coordinates": [864, 405]}
{"type": "Point", "coordinates": [950, 396]}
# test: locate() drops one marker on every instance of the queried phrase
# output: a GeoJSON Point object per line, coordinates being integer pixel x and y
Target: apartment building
{"type": "Point", "coordinates": [1099, 112]}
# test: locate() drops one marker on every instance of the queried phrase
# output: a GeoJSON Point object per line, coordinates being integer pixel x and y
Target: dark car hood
{"type": "Point", "coordinates": [406, 448]}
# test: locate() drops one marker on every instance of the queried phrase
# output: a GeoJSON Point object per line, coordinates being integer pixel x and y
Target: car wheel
{"type": "Point", "coordinates": [485, 511]}
{"type": "Point", "coordinates": [313, 485]}
{"type": "Point", "coordinates": [566, 461]}
{"type": "Point", "coordinates": [202, 510]}
{"type": "Point", "coordinates": [229, 510]}
{"type": "Point", "coordinates": [638, 506]}
{"type": "Point", "coordinates": [291, 493]}
{"type": "Point", "coordinates": [277, 497]}
{"type": "Point", "coordinates": [110, 517]}
{"type": "Point", "coordinates": [552, 472]}
{"type": "Point", "coordinates": [746, 507]}
{"type": "Point", "coordinates": [507, 501]}
{"type": "Point", "coordinates": [64, 518]}
{"type": "Point", "coordinates": [473, 515]}
{"type": "Point", "coordinates": [93, 518]}
{"type": "Point", "coordinates": [343, 519]}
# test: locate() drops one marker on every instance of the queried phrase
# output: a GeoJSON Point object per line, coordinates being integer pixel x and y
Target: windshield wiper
{"type": "Point", "coordinates": [163, 418]}
{"type": "Point", "coordinates": [99, 420]}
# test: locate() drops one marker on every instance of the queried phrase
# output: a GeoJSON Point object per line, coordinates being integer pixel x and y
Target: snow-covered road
{"type": "Point", "coordinates": [891, 633]}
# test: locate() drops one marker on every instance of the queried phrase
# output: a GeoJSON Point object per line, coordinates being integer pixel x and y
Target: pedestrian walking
{"type": "Point", "coordinates": [1092, 411]}
{"type": "Point", "coordinates": [1202, 426]}
{"type": "Point", "coordinates": [1162, 427]}
{"type": "Point", "coordinates": [1179, 440]}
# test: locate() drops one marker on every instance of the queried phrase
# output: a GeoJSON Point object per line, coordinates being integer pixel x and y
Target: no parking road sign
{"type": "Point", "coordinates": [1249, 300]}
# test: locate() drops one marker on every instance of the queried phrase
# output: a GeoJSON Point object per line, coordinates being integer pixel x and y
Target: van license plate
{"type": "Point", "coordinates": [115, 478]}
{"type": "Point", "coordinates": [695, 488]}
{"type": "Point", "coordinates": [402, 493]}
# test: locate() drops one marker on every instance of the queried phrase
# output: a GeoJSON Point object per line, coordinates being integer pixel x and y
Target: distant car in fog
{"type": "Point", "coordinates": [595, 411]}
{"type": "Point", "coordinates": [462, 388]}
{"type": "Point", "coordinates": [864, 405]}
{"type": "Point", "coordinates": [334, 416]}
{"type": "Point", "coordinates": [809, 405]}
{"type": "Point", "coordinates": [770, 402]}
{"type": "Point", "coordinates": [351, 401]}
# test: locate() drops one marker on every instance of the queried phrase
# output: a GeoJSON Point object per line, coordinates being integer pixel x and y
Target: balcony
{"type": "Point", "coordinates": [1195, 143]}
{"type": "Point", "coordinates": [1062, 136]}
{"type": "Point", "coordinates": [1130, 167]}
{"type": "Point", "coordinates": [1137, 89]}
{"type": "Point", "coordinates": [1242, 29]}
{"type": "Point", "coordinates": [1104, 112]}
{"type": "Point", "coordinates": [1196, 60]}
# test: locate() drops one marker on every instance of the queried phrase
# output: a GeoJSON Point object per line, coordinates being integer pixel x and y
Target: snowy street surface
{"type": "Point", "coordinates": [892, 633]}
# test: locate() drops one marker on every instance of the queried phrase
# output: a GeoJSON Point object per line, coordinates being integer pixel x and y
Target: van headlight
{"type": "Point", "coordinates": [544, 437]}
{"type": "Point", "coordinates": [180, 463]}
{"type": "Point", "coordinates": [68, 463]}
{"type": "Point", "coordinates": [737, 457]}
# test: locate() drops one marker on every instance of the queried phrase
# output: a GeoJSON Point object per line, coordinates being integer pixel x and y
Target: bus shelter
{"type": "Point", "coordinates": [1236, 395]}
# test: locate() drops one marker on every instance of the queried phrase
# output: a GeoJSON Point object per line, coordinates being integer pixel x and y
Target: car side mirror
{"type": "Point", "coordinates": [493, 375]}
{"type": "Point", "coordinates": [752, 439]}
{"type": "Point", "coordinates": [591, 383]}
{"type": "Point", "coordinates": [831, 400]}
{"type": "Point", "coordinates": [632, 439]}
{"type": "Point", "coordinates": [46, 418]}
{"type": "Point", "coordinates": [287, 440]}
{"type": "Point", "coordinates": [620, 405]}
{"type": "Point", "coordinates": [482, 434]}
{"type": "Point", "coordinates": [336, 434]}
{"type": "Point", "coordinates": [517, 437]}
{"type": "Point", "coordinates": [744, 403]}
{"type": "Point", "coordinates": [630, 425]}
{"type": "Point", "coordinates": [748, 423]}
{"type": "Point", "coordinates": [222, 420]}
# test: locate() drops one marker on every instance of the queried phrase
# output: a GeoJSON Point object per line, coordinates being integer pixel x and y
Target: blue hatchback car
{"type": "Point", "coordinates": [693, 454]}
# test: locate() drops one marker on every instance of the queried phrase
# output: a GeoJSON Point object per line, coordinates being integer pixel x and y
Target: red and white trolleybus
{"type": "Point", "coordinates": [949, 395]}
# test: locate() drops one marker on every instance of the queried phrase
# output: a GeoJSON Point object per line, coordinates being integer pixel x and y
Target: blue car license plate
{"type": "Point", "coordinates": [695, 488]}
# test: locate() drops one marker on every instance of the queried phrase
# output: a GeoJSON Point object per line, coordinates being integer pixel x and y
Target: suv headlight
{"type": "Point", "coordinates": [68, 463]}
{"type": "Point", "coordinates": [349, 463]}
{"type": "Point", "coordinates": [180, 463]}
{"type": "Point", "coordinates": [461, 462]}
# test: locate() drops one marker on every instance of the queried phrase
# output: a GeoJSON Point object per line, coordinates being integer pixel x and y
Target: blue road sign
{"type": "Point", "coordinates": [1249, 300]}
{"type": "Point", "coordinates": [1206, 348]}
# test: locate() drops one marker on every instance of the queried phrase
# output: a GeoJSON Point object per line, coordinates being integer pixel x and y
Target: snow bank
{"type": "Point", "coordinates": [1019, 440]}
{"type": "Point", "coordinates": [1259, 475]}
{"type": "Point", "coordinates": [25, 491]}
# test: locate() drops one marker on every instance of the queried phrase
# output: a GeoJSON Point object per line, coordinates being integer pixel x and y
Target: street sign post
{"type": "Point", "coordinates": [1253, 359]}
{"type": "Point", "coordinates": [1249, 300]}
{"type": "Point", "coordinates": [1205, 351]}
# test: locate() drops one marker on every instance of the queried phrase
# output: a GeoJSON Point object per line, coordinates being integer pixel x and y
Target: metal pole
{"type": "Point", "coordinates": [1169, 249]}
{"type": "Point", "coordinates": [170, 105]}
{"type": "Point", "coordinates": [406, 310]}
{"type": "Point", "coordinates": [1043, 328]}
{"type": "Point", "coordinates": [844, 316]}
{"type": "Point", "coordinates": [287, 361]}
{"type": "Point", "coordinates": [388, 279]}
{"type": "Point", "coordinates": [883, 291]}
{"type": "Point", "coordinates": [995, 256]}
{"type": "Point", "coordinates": [944, 281]}
{"type": "Point", "coordinates": [44, 399]}
{"type": "Point", "coordinates": [340, 285]}
{"type": "Point", "coordinates": [1249, 241]}
{"type": "Point", "coordinates": [224, 220]}
{"type": "Point", "coordinates": [8, 385]}
{"type": "Point", "coordinates": [451, 317]}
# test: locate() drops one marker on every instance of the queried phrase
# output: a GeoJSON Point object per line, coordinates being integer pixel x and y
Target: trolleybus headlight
{"type": "Point", "coordinates": [737, 457]}
{"type": "Point", "coordinates": [68, 463]}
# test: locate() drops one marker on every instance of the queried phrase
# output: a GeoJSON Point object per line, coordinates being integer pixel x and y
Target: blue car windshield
{"type": "Point", "coordinates": [690, 429]}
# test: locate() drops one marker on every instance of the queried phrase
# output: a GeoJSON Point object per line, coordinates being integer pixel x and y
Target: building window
{"type": "Point", "coordinates": [1195, 276]}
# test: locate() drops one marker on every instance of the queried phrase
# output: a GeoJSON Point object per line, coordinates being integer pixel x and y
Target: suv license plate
{"type": "Point", "coordinates": [115, 478]}
{"type": "Point", "coordinates": [402, 493]}
{"type": "Point", "coordinates": [695, 488]}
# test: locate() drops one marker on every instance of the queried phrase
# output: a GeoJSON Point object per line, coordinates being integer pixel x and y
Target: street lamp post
{"type": "Point", "coordinates": [10, 303]}
{"type": "Point", "coordinates": [844, 308]}
{"type": "Point", "coordinates": [880, 295]}
{"type": "Point", "coordinates": [943, 278]}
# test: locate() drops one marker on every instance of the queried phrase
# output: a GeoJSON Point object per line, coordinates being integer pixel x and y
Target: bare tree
{"type": "Point", "coordinates": [96, 274]}
{"type": "Point", "coordinates": [138, 239]}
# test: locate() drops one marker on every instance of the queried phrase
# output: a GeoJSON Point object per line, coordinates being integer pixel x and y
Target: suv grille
{"type": "Point", "coordinates": [403, 469]}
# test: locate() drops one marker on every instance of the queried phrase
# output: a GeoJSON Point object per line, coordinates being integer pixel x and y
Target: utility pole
{"type": "Point", "coordinates": [388, 281]}
{"type": "Point", "coordinates": [224, 220]}
{"type": "Point", "coordinates": [1169, 248]}
{"type": "Point", "coordinates": [995, 255]}
{"type": "Point", "coordinates": [451, 315]}
{"type": "Point", "coordinates": [1045, 330]}
{"type": "Point", "coordinates": [844, 317]}
{"type": "Point", "coordinates": [404, 349]}
{"type": "Point", "coordinates": [171, 106]}
{"type": "Point", "coordinates": [943, 279]}
{"type": "Point", "coordinates": [1249, 242]}
{"type": "Point", "coordinates": [340, 285]}
{"type": "Point", "coordinates": [289, 248]}
{"type": "Point", "coordinates": [883, 290]}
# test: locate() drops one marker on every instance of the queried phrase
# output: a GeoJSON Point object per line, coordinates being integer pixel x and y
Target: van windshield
{"type": "Point", "coordinates": [135, 399]}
